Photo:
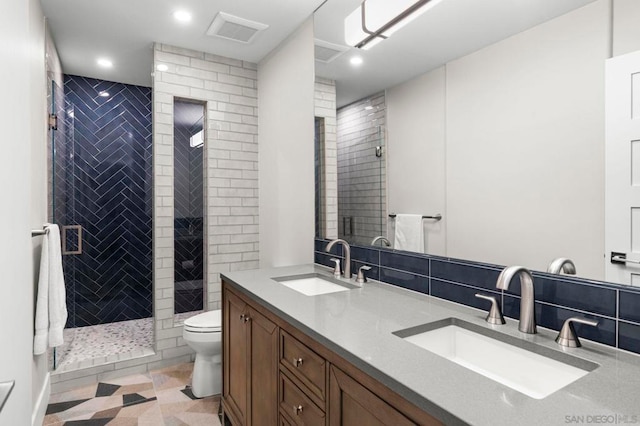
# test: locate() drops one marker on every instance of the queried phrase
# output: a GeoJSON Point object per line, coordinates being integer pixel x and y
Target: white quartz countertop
{"type": "Point", "coordinates": [358, 325]}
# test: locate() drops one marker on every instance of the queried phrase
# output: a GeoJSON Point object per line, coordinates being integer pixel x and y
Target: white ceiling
{"type": "Point", "coordinates": [450, 30]}
{"type": "Point", "coordinates": [124, 31]}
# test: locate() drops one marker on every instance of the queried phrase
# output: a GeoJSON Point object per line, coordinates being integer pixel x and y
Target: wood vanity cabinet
{"type": "Point", "coordinates": [358, 406]}
{"type": "Point", "coordinates": [250, 354]}
{"type": "Point", "coordinates": [273, 374]}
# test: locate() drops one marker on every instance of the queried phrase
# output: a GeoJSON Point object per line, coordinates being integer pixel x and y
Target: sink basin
{"type": "Point", "coordinates": [534, 370]}
{"type": "Point", "coordinates": [313, 284]}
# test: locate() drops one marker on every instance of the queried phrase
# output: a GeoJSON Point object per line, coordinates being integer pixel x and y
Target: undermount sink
{"type": "Point", "coordinates": [313, 284]}
{"type": "Point", "coordinates": [534, 370]}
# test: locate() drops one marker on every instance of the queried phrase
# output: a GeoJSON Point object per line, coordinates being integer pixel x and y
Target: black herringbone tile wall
{"type": "Point", "coordinates": [188, 207]}
{"type": "Point", "coordinates": [109, 187]}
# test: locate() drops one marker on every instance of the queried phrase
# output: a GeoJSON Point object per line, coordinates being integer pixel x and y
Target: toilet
{"type": "Point", "coordinates": [203, 334]}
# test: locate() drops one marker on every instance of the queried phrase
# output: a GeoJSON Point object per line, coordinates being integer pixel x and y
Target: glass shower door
{"type": "Point", "coordinates": [102, 199]}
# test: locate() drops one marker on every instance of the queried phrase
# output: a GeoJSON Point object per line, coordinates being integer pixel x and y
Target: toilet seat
{"type": "Point", "coordinates": [206, 322]}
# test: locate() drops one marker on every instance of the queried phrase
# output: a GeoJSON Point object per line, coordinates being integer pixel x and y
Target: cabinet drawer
{"type": "Point", "coordinates": [299, 407]}
{"type": "Point", "coordinates": [304, 363]}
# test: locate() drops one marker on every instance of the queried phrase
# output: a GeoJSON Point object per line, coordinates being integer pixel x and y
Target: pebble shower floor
{"type": "Point", "coordinates": [86, 347]}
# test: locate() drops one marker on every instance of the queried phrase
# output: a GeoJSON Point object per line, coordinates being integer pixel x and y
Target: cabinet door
{"type": "Point", "coordinates": [236, 368]}
{"type": "Point", "coordinates": [264, 370]}
{"type": "Point", "coordinates": [351, 404]}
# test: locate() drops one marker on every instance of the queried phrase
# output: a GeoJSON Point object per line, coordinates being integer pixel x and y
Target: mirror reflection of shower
{"type": "Point", "coordinates": [362, 200]}
{"type": "Point", "coordinates": [188, 167]}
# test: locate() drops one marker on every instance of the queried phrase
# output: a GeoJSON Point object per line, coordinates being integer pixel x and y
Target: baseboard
{"type": "Point", "coordinates": [40, 406]}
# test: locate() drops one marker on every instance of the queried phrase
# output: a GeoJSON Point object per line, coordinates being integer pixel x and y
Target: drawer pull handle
{"type": "Point", "coordinates": [297, 362]}
{"type": "Point", "coordinates": [245, 318]}
{"type": "Point", "coordinates": [242, 316]}
{"type": "Point", "coordinates": [297, 409]}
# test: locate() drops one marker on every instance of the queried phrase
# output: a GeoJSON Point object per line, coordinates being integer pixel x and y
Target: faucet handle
{"type": "Point", "coordinates": [495, 314]}
{"type": "Point", "coordinates": [361, 278]}
{"type": "Point", "coordinates": [336, 270]}
{"type": "Point", "coordinates": [568, 336]}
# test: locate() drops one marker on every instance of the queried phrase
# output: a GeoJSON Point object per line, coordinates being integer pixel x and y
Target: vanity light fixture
{"type": "Point", "coordinates": [104, 62]}
{"type": "Point", "coordinates": [162, 67]}
{"type": "Point", "coordinates": [375, 20]}
{"type": "Point", "coordinates": [182, 15]}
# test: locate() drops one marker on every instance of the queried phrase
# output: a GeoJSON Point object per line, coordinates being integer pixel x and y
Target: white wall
{"type": "Point", "coordinates": [39, 179]}
{"type": "Point", "coordinates": [286, 143]}
{"type": "Point", "coordinates": [525, 129]}
{"type": "Point", "coordinates": [626, 31]}
{"type": "Point", "coordinates": [416, 153]}
{"type": "Point", "coordinates": [523, 126]}
{"type": "Point", "coordinates": [23, 198]}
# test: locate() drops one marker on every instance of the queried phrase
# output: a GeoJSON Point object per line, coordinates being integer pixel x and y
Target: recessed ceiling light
{"type": "Point", "coordinates": [105, 63]}
{"type": "Point", "coordinates": [162, 67]}
{"type": "Point", "coordinates": [104, 94]}
{"type": "Point", "coordinates": [356, 60]}
{"type": "Point", "coordinates": [182, 15]}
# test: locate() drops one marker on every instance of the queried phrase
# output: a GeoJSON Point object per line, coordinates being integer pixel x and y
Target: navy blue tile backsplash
{"type": "Point", "coordinates": [630, 306]}
{"type": "Point", "coordinates": [404, 262]}
{"type": "Point", "coordinates": [558, 297]}
{"type": "Point", "coordinates": [107, 190]}
{"type": "Point", "coordinates": [584, 297]}
{"type": "Point", "coordinates": [405, 280]}
{"type": "Point", "coordinates": [484, 277]}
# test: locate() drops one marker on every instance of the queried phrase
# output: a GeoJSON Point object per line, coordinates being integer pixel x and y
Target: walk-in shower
{"type": "Point", "coordinates": [101, 197]}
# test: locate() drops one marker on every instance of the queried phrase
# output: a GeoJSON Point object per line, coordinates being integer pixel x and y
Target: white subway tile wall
{"type": "Point", "coordinates": [229, 88]}
{"type": "Point", "coordinates": [325, 107]}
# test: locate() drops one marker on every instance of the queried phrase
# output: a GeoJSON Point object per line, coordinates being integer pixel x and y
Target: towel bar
{"type": "Point", "coordinates": [36, 232]}
{"type": "Point", "coordinates": [436, 217]}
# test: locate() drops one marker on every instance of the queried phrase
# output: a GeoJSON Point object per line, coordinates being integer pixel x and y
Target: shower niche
{"type": "Point", "coordinates": [188, 172]}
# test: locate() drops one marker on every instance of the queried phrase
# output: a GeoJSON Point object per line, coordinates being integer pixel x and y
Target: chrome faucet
{"type": "Point", "coordinates": [562, 264]}
{"type": "Point", "coordinates": [347, 255]}
{"type": "Point", "coordinates": [380, 238]}
{"type": "Point", "coordinates": [527, 308]}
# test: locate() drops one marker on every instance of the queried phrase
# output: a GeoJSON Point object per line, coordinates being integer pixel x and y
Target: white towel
{"type": "Point", "coordinates": [51, 304]}
{"type": "Point", "coordinates": [409, 234]}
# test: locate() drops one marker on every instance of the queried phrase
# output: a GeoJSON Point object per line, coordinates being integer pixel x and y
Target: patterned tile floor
{"type": "Point", "coordinates": [159, 398]}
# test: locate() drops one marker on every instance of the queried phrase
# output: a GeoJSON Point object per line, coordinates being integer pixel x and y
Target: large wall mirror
{"type": "Point", "coordinates": [494, 117]}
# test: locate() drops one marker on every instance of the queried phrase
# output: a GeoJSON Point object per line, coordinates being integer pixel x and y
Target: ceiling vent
{"type": "Point", "coordinates": [327, 52]}
{"type": "Point", "coordinates": [235, 28]}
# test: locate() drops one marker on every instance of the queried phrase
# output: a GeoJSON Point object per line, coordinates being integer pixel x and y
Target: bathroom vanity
{"type": "Point", "coordinates": [343, 358]}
